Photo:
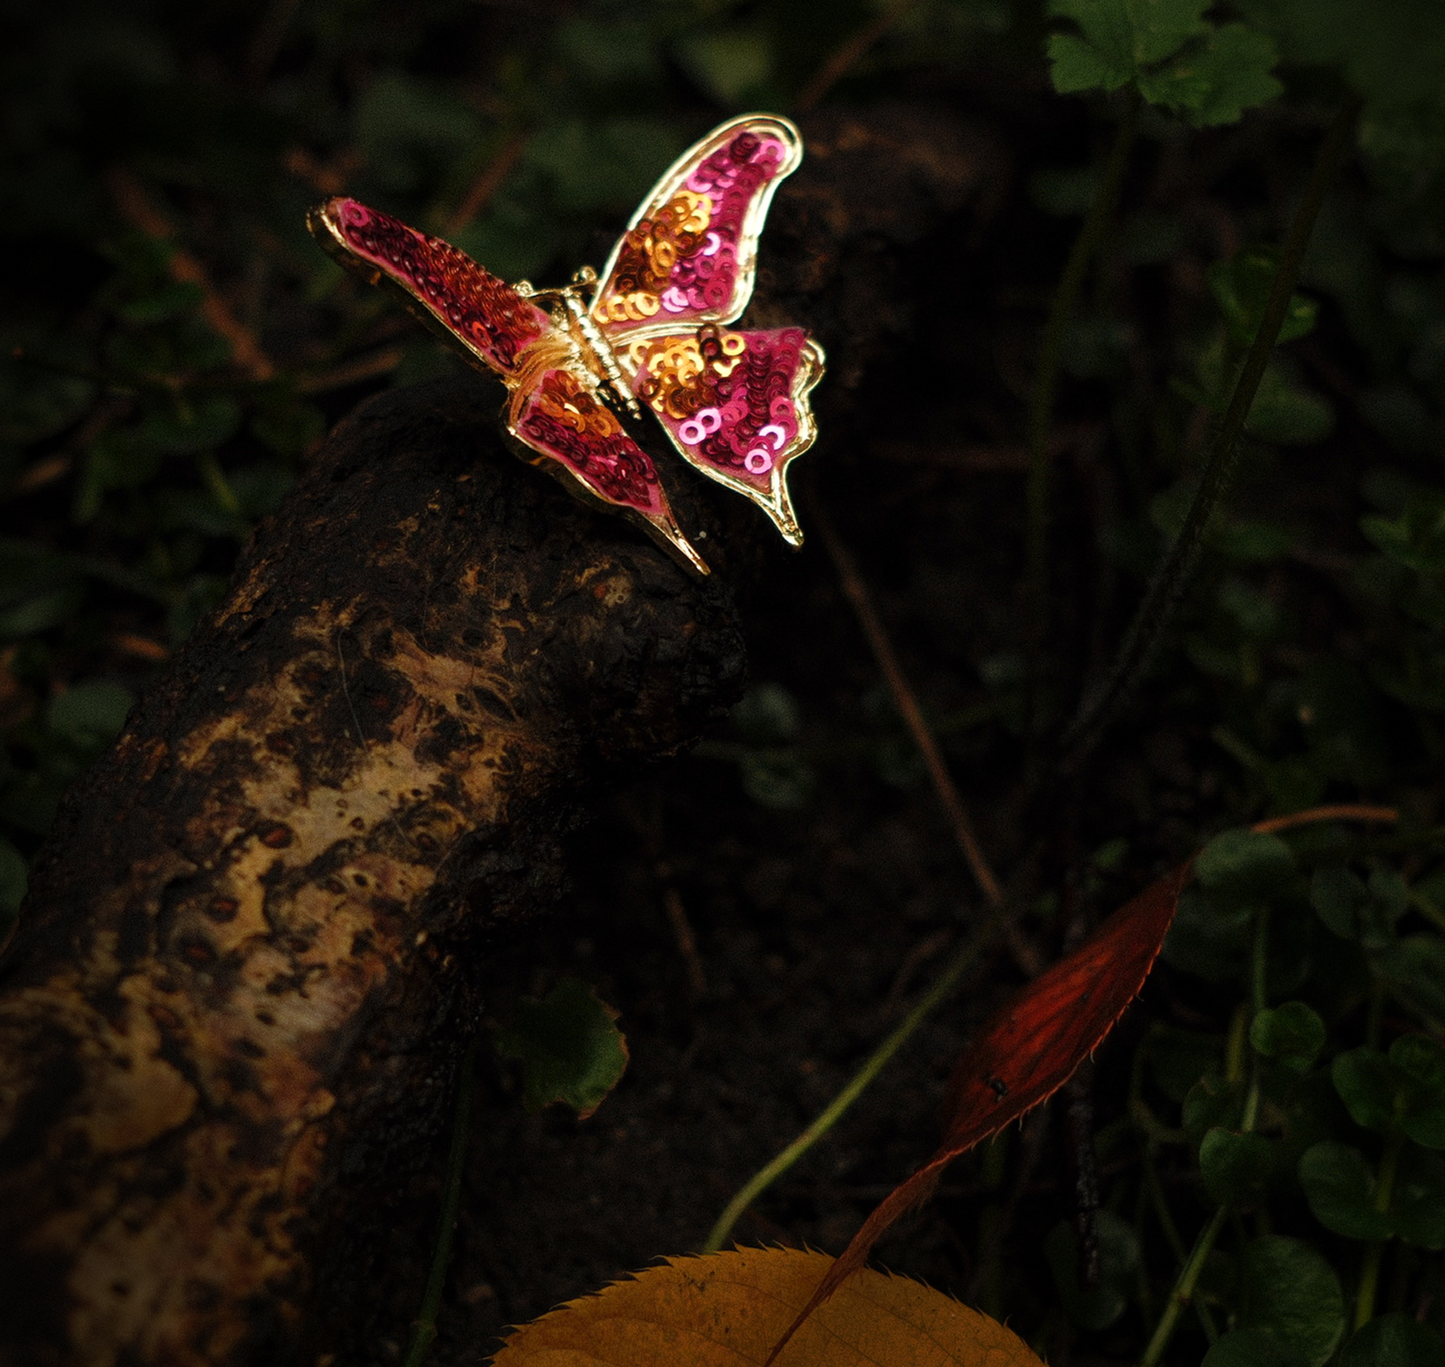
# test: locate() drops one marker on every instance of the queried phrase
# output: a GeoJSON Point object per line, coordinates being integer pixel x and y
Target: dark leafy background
{"type": "Point", "coordinates": [175, 347]}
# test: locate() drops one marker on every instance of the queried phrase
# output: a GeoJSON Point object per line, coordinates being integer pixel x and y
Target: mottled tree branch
{"type": "Point", "coordinates": [241, 978]}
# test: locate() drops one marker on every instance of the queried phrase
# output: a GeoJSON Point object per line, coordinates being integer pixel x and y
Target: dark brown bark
{"type": "Point", "coordinates": [241, 973]}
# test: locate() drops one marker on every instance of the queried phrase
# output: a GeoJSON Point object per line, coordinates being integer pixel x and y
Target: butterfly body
{"type": "Point", "coordinates": [654, 335]}
{"type": "Point", "coordinates": [593, 348]}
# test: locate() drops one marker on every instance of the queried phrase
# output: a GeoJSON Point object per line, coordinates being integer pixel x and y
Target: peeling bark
{"type": "Point", "coordinates": [241, 974]}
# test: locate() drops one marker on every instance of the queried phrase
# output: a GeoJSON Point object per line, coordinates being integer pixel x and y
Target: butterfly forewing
{"type": "Point", "coordinates": [733, 403]}
{"type": "Point", "coordinates": [690, 253]}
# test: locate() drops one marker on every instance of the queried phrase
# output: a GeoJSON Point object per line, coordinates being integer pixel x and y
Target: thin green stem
{"type": "Point", "coordinates": [872, 1066]}
{"type": "Point", "coordinates": [1259, 962]}
{"type": "Point", "coordinates": [424, 1331]}
{"type": "Point", "coordinates": [1046, 379]}
{"type": "Point", "coordinates": [1155, 1188]}
{"type": "Point", "coordinates": [1369, 1282]}
{"type": "Point", "coordinates": [1427, 908]}
{"type": "Point", "coordinates": [986, 1293]}
{"type": "Point", "coordinates": [1234, 1043]}
{"type": "Point", "coordinates": [1183, 1292]}
{"type": "Point", "coordinates": [1157, 1199]}
{"type": "Point", "coordinates": [1165, 590]}
{"type": "Point", "coordinates": [1375, 1250]}
{"type": "Point", "coordinates": [216, 481]}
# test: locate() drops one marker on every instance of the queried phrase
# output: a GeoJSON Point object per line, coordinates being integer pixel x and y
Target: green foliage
{"type": "Point", "coordinates": [1253, 1348]}
{"type": "Point", "coordinates": [1099, 1306]}
{"type": "Point", "coordinates": [1310, 1119]}
{"type": "Point", "coordinates": [569, 1048]}
{"type": "Point", "coordinates": [1292, 1032]}
{"type": "Point", "coordinates": [734, 65]}
{"type": "Point", "coordinates": [774, 770]}
{"type": "Point", "coordinates": [1403, 1089]}
{"type": "Point", "coordinates": [1393, 1341]}
{"type": "Point", "coordinates": [1292, 1294]}
{"type": "Point", "coordinates": [1241, 287]}
{"type": "Point", "coordinates": [1341, 1188]}
{"type": "Point", "coordinates": [1166, 50]}
{"type": "Point", "coordinates": [90, 714]}
{"type": "Point", "coordinates": [1389, 53]}
{"type": "Point", "coordinates": [1236, 1168]}
{"type": "Point", "coordinates": [1240, 865]}
{"type": "Point", "coordinates": [1351, 1197]}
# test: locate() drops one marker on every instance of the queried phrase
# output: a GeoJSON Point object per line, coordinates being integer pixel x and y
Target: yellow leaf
{"type": "Point", "coordinates": [728, 1309]}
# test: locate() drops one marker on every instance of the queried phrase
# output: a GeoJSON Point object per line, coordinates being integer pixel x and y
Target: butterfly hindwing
{"type": "Point", "coordinates": [561, 419]}
{"type": "Point", "coordinates": [735, 405]}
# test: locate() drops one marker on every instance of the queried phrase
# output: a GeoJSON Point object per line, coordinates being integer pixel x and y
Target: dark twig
{"type": "Point", "coordinates": [487, 183]}
{"type": "Point", "coordinates": [1046, 378]}
{"type": "Point", "coordinates": [845, 57]}
{"type": "Point", "coordinates": [373, 365]}
{"type": "Point", "coordinates": [686, 940]}
{"type": "Point", "coordinates": [1165, 590]}
{"type": "Point", "coordinates": [137, 209]}
{"type": "Point", "coordinates": [857, 594]}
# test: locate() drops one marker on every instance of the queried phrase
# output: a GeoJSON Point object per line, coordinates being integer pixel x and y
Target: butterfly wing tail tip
{"type": "Point", "coordinates": [667, 534]}
{"type": "Point", "coordinates": [783, 518]}
{"type": "Point", "coordinates": [684, 551]}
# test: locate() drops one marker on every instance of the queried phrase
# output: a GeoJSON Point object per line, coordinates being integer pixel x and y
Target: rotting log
{"type": "Point", "coordinates": [240, 977]}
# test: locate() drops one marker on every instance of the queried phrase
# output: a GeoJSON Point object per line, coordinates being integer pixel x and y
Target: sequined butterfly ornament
{"type": "Point", "coordinates": [655, 333]}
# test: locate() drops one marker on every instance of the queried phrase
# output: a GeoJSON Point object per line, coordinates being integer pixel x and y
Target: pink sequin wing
{"type": "Point", "coordinates": [470, 307]}
{"type": "Point", "coordinates": [562, 420]}
{"type": "Point", "coordinates": [735, 405]}
{"type": "Point", "coordinates": [555, 412]}
{"type": "Point", "coordinates": [690, 253]}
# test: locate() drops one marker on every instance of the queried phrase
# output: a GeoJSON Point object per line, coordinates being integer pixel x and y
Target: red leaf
{"type": "Point", "coordinates": [1028, 1051]}
{"type": "Point", "coordinates": [1033, 1045]}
